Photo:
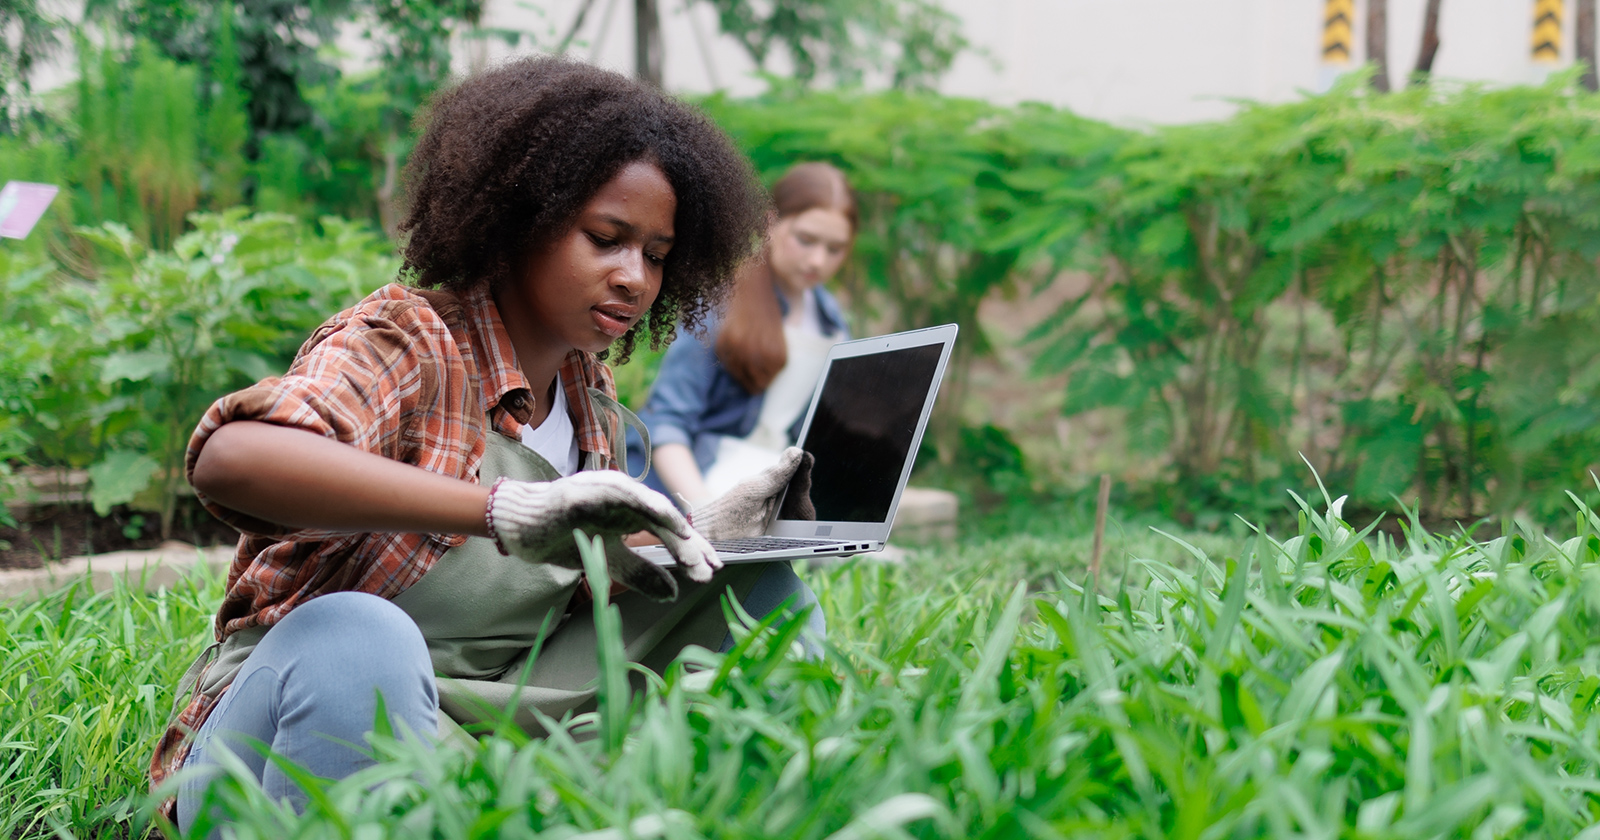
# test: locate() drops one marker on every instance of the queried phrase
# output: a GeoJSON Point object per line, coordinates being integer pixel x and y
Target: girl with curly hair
{"type": "Point", "coordinates": [407, 492]}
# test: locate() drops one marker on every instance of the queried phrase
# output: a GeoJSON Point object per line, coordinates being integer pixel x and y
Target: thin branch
{"type": "Point", "coordinates": [605, 28]}
{"type": "Point", "coordinates": [577, 24]}
{"type": "Point", "coordinates": [704, 45]}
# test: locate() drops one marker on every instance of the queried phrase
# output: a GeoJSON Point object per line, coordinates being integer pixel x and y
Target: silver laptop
{"type": "Point", "coordinates": [865, 423]}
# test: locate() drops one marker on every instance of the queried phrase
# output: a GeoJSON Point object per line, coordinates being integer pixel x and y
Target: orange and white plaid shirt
{"type": "Point", "coordinates": [410, 375]}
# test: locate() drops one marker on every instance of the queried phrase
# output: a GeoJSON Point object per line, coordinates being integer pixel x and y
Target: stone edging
{"type": "Point", "coordinates": [161, 566]}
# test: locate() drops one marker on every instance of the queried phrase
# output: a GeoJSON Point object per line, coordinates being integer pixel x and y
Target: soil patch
{"type": "Point", "coordinates": [47, 534]}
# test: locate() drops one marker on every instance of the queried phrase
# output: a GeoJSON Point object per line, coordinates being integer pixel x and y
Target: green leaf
{"type": "Point", "coordinates": [615, 698]}
{"type": "Point", "coordinates": [117, 479]}
{"type": "Point", "coordinates": [253, 366]}
{"type": "Point", "coordinates": [135, 366]}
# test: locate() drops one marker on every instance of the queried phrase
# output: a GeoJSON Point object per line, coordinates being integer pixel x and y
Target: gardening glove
{"type": "Point", "coordinates": [745, 510]}
{"type": "Point", "coordinates": [534, 520]}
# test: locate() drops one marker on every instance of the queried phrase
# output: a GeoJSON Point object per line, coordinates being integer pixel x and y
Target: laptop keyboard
{"type": "Point", "coordinates": [754, 544]}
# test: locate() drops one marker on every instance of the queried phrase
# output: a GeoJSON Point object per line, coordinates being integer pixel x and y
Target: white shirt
{"type": "Point", "coordinates": [555, 439]}
{"type": "Point", "coordinates": [806, 314]}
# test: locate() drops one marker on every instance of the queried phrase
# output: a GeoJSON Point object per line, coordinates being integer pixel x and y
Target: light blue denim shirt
{"type": "Point", "coordinates": [696, 402]}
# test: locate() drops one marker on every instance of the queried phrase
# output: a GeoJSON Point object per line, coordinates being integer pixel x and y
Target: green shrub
{"type": "Point", "coordinates": [111, 369]}
{"type": "Point", "coordinates": [1445, 239]}
{"type": "Point", "coordinates": [47, 356]}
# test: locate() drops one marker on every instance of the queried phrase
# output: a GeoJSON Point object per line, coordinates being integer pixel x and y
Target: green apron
{"type": "Point", "coordinates": [481, 614]}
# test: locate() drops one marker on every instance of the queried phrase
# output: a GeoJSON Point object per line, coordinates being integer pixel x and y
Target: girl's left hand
{"type": "Point", "coordinates": [747, 509]}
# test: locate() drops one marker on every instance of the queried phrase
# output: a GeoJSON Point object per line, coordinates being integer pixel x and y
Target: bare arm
{"type": "Point", "coordinates": [301, 479]}
{"type": "Point", "coordinates": [679, 472]}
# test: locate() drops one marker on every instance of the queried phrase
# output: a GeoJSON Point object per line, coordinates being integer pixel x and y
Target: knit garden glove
{"type": "Point", "coordinates": [534, 520]}
{"type": "Point", "coordinates": [745, 510]}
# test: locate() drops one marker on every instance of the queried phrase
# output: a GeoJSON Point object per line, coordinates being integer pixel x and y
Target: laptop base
{"type": "Point", "coordinates": [822, 548]}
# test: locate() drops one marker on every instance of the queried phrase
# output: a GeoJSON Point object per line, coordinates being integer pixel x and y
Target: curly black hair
{"type": "Point", "coordinates": [509, 157]}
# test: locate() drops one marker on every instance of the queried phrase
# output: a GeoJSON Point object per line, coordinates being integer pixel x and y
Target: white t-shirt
{"type": "Point", "coordinates": [555, 439]}
{"type": "Point", "coordinates": [809, 315]}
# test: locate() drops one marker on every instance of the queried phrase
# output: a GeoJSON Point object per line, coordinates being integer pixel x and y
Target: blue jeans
{"type": "Point", "coordinates": [309, 692]}
{"type": "Point", "coordinates": [309, 689]}
{"type": "Point", "coordinates": [778, 583]}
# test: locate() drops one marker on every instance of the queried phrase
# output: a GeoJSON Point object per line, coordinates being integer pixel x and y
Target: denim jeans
{"type": "Point", "coordinates": [776, 585]}
{"type": "Point", "coordinates": [309, 690]}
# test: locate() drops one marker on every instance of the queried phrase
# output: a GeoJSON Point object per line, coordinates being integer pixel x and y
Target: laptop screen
{"type": "Point", "coordinates": [862, 430]}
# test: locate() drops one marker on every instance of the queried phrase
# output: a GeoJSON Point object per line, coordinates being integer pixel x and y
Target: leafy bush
{"type": "Point", "coordinates": [1445, 240]}
{"type": "Point", "coordinates": [112, 367]}
{"type": "Point", "coordinates": [47, 375]}
{"type": "Point", "coordinates": [1402, 287]}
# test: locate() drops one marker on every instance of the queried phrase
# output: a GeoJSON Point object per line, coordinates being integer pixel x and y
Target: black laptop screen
{"type": "Point", "coordinates": [862, 430]}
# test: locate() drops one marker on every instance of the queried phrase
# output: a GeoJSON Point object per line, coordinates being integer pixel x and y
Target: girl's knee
{"type": "Point", "coordinates": [779, 584]}
{"type": "Point", "coordinates": [351, 614]}
{"type": "Point", "coordinates": [352, 627]}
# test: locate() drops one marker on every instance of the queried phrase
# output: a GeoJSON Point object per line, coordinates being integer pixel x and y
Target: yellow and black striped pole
{"type": "Point", "coordinates": [1338, 26]}
{"type": "Point", "coordinates": [1547, 16]}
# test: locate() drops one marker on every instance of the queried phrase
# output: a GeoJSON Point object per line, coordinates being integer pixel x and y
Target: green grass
{"type": "Point", "coordinates": [1328, 684]}
{"type": "Point", "coordinates": [86, 684]}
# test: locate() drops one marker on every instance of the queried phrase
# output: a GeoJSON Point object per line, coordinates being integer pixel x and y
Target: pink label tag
{"type": "Point", "coordinates": [21, 206]}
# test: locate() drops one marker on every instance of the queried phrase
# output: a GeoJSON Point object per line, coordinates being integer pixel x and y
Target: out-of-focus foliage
{"type": "Point", "coordinates": [108, 364]}
{"type": "Point", "coordinates": [1445, 246]}
{"type": "Point", "coordinates": [250, 107]}
{"type": "Point", "coordinates": [1403, 287]}
{"type": "Point", "coordinates": [28, 35]}
{"type": "Point", "coordinates": [278, 126]}
{"type": "Point", "coordinates": [138, 136]}
{"type": "Point", "coordinates": [844, 39]}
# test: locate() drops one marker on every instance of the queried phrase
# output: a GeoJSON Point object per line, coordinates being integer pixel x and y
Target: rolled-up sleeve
{"type": "Point", "coordinates": [359, 380]}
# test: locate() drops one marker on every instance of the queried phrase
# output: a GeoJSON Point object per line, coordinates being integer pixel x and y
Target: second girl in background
{"type": "Point", "coordinates": [724, 406]}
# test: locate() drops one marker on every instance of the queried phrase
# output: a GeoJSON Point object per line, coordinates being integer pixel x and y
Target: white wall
{"type": "Point", "coordinates": [1139, 60]}
{"type": "Point", "coordinates": [1129, 61]}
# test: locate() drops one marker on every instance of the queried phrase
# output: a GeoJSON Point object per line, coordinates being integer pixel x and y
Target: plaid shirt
{"type": "Point", "coordinates": [407, 374]}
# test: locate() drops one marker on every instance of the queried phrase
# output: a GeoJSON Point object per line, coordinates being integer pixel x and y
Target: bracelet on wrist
{"type": "Point", "coordinates": [488, 518]}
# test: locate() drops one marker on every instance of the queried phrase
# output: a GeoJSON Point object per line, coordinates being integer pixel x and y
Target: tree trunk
{"type": "Point", "coordinates": [647, 41]}
{"type": "Point", "coordinates": [1585, 43]}
{"type": "Point", "coordinates": [1378, 43]}
{"type": "Point", "coordinates": [1430, 45]}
